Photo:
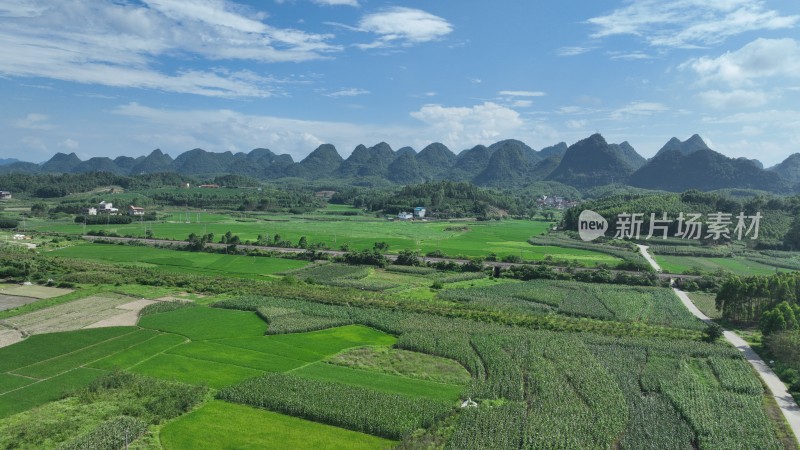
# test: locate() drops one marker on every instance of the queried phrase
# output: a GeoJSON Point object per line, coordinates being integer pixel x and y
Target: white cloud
{"type": "Point", "coordinates": [638, 109]}
{"type": "Point", "coordinates": [349, 92]}
{"type": "Point", "coordinates": [736, 99]}
{"type": "Point", "coordinates": [522, 103]}
{"type": "Point", "coordinates": [521, 93]}
{"type": "Point", "coordinates": [575, 124]}
{"type": "Point", "coordinates": [762, 58]}
{"type": "Point", "coordinates": [33, 121]}
{"type": "Point", "coordinates": [69, 143]}
{"type": "Point", "coordinates": [34, 143]}
{"type": "Point", "coordinates": [403, 26]}
{"type": "Point", "coordinates": [337, 2]}
{"type": "Point", "coordinates": [466, 126]}
{"type": "Point", "coordinates": [117, 44]}
{"type": "Point", "coordinates": [689, 23]}
{"type": "Point", "coordinates": [573, 51]}
{"type": "Point", "coordinates": [631, 56]}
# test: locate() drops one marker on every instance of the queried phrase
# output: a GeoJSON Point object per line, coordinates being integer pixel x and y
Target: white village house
{"type": "Point", "coordinates": [405, 216]}
{"type": "Point", "coordinates": [419, 212]}
{"type": "Point", "coordinates": [106, 208]}
{"type": "Point", "coordinates": [135, 211]}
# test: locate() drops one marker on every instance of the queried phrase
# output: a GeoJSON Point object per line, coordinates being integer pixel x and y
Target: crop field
{"type": "Point", "coordinates": [180, 261]}
{"type": "Point", "coordinates": [507, 237]}
{"type": "Point", "coordinates": [657, 306]}
{"type": "Point", "coordinates": [543, 389]}
{"type": "Point", "coordinates": [221, 424]}
{"type": "Point", "coordinates": [70, 316]}
{"type": "Point", "coordinates": [735, 265]}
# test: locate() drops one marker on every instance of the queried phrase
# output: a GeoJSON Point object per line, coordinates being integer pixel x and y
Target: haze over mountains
{"type": "Point", "coordinates": [678, 165]}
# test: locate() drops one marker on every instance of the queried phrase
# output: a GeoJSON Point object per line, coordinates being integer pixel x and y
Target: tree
{"type": "Point", "coordinates": [302, 243]}
{"type": "Point", "coordinates": [713, 332]}
{"type": "Point", "coordinates": [381, 246]}
{"type": "Point", "coordinates": [792, 238]}
{"type": "Point", "coordinates": [407, 258]}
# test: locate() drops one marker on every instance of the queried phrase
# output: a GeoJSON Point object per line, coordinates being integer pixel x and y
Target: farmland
{"type": "Point", "coordinates": [466, 239]}
{"type": "Point", "coordinates": [226, 425]}
{"type": "Point", "coordinates": [327, 354]}
{"type": "Point", "coordinates": [229, 265]}
{"type": "Point", "coordinates": [736, 265]}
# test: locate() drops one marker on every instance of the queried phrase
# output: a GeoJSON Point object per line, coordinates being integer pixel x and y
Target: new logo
{"type": "Point", "coordinates": [591, 225]}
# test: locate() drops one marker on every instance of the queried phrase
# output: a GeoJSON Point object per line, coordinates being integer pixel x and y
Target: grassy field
{"type": "Point", "coordinates": [380, 381]}
{"type": "Point", "coordinates": [206, 323]}
{"type": "Point", "coordinates": [184, 262]}
{"type": "Point", "coordinates": [706, 303]}
{"type": "Point", "coordinates": [507, 237]}
{"type": "Point", "coordinates": [221, 425]}
{"type": "Point", "coordinates": [735, 265]}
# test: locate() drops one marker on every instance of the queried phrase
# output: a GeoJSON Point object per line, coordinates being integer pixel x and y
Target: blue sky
{"type": "Point", "coordinates": [123, 77]}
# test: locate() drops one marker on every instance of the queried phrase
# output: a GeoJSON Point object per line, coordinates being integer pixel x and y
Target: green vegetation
{"type": "Point", "coordinates": [735, 265]}
{"type": "Point", "coordinates": [618, 303]}
{"type": "Point", "coordinates": [227, 425]}
{"type": "Point", "coordinates": [380, 381]}
{"type": "Point", "coordinates": [356, 408]}
{"type": "Point", "coordinates": [205, 323]}
{"type": "Point", "coordinates": [402, 363]}
{"type": "Point", "coordinates": [229, 265]}
{"type": "Point", "coordinates": [111, 411]}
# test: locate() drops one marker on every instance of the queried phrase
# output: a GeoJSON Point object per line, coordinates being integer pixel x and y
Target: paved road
{"type": "Point", "coordinates": [785, 401]}
{"type": "Point", "coordinates": [653, 263]}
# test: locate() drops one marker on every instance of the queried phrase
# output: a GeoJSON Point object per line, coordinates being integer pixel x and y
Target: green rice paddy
{"type": "Point", "coordinates": [221, 425]}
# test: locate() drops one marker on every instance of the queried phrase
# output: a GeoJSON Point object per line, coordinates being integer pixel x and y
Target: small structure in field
{"type": "Point", "coordinates": [5, 195]}
{"type": "Point", "coordinates": [135, 211]}
{"type": "Point", "coordinates": [405, 216]}
{"type": "Point", "coordinates": [90, 211]}
{"type": "Point", "coordinates": [106, 208]}
{"type": "Point", "coordinates": [419, 212]}
{"type": "Point", "coordinates": [469, 403]}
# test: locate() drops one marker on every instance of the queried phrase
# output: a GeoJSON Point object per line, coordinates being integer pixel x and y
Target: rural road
{"type": "Point", "coordinates": [785, 401]}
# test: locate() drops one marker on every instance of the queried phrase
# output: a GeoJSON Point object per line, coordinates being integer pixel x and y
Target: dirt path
{"type": "Point", "coordinates": [776, 387]}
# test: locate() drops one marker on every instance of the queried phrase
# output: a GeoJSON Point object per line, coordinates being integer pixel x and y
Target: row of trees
{"type": "Point", "coordinates": [748, 298]}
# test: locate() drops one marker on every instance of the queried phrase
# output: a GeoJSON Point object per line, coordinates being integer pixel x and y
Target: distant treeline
{"type": "Point", "coordinates": [442, 199]}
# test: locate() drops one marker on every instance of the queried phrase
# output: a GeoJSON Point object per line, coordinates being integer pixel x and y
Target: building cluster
{"type": "Point", "coordinates": [108, 208]}
{"type": "Point", "coordinates": [419, 213]}
{"type": "Point", "coordinates": [554, 201]}
{"type": "Point", "coordinates": [5, 195]}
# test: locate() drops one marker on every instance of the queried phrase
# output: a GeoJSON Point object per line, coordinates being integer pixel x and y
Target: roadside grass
{"type": "Point", "coordinates": [206, 323]}
{"type": "Point", "coordinates": [223, 425]}
{"type": "Point", "coordinates": [181, 261]}
{"type": "Point", "coordinates": [380, 381]}
{"type": "Point", "coordinates": [706, 303]}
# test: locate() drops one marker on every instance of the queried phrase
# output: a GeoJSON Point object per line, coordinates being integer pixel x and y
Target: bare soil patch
{"type": "Point", "coordinates": [12, 301]}
{"type": "Point", "coordinates": [33, 291]}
